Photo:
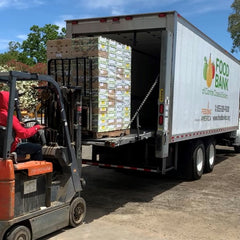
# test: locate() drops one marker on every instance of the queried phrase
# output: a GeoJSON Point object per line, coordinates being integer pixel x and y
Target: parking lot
{"type": "Point", "coordinates": [140, 206]}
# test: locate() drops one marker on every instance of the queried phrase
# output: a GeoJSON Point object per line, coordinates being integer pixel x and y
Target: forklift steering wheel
{"type": "Point", "coordinates": [40, 131]}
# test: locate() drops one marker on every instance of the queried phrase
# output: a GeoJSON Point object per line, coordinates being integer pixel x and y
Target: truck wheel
{"type": "Point", "coordinates": [19, 233]}
{"type": "Point", "coordinates": [210, 155]}
{"type": "Point", "coordinates": [77, 212]}
{"type": "Point", "coordinates": [195, 160]}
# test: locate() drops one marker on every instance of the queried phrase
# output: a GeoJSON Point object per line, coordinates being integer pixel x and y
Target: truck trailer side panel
{"type": "Point", "coordinates": [193, 107]}
{"type": "Point", "coordinates": [206, 87]}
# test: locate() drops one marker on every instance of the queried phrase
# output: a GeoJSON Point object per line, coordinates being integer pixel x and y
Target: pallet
{"type": "Point", "coordinates": [116, 133]}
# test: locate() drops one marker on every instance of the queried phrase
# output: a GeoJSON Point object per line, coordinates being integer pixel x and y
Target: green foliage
{"type": "Point", "coordinates": [11, 54]}
{"type": "Point", "coordinates": [234, 25]}
{"type": "Point", "coordinates": [30, 56]}
{"type": "Point", "coordinates": [34, 47]}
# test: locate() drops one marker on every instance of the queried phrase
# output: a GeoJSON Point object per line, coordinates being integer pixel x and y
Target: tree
{"type": "Point", "coordinates": [14, 47]}
{"type": "Point", "coordinates": [34, 47]}
{"type": "Point", "coordinates": [11, 54]}
{"type": "Point", "coordinates": [234, 25]}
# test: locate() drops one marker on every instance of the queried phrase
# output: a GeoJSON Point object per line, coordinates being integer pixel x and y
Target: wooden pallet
{"type": "Point", "coordinates": [116, 133]}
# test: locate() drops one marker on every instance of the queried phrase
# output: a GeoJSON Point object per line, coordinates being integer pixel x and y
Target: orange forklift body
{"type": "Point", "coordinates": [7, 189]}
{"type": "Point", "coordinates": [7, 182]}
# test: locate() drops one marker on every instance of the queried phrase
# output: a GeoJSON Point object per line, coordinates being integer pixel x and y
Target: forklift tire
{"type": "Point", "coordinates": [19, 232]}
{"type": "Point", "coordinates": [77, 211]}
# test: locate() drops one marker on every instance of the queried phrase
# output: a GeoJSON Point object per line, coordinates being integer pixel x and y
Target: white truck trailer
{"type": "Point", "coordinates": [184, 95]}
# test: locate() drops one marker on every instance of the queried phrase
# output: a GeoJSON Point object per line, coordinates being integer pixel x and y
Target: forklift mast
{"type": "Point", "coordinates": [73, 74]}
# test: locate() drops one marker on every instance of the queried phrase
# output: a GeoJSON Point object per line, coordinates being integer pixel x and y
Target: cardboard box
{"type": "Point", "coordinates": [111, 77]}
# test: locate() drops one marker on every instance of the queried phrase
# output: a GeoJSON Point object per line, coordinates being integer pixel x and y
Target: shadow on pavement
{"type": "Point", "coordinates": [223, 153]}
{"type": "Point", "coordinates": [108, 189]}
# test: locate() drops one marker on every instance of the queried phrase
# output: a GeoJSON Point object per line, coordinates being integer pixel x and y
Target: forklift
{"type": "Point", "coordinates": [40, 197]}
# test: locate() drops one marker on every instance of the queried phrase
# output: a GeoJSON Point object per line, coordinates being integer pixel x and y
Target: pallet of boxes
{"type": "Point", "coordinates": [110, 93]}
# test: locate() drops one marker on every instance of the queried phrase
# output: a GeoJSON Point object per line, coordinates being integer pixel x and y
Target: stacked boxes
{"type": "Point", "coordinates": [111, 71]}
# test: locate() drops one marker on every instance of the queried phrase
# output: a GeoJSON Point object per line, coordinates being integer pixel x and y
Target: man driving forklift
{"type": "Point", "coordinates": [20, 132]}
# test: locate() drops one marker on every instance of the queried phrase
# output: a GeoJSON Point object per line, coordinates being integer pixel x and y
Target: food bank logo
{"type": "Point", "coordinates": [208, 71]}
{"type": "Point", "coordinates": [218, 71]}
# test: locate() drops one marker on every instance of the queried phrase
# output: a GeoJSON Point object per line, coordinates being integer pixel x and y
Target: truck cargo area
{"type": "Point", "coordinates": [145, 67]}
{"type": "Point", "coordinates": [144, 70]}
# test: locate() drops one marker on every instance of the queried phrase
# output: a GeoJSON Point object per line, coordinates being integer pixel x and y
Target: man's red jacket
{"type": "Point", "coordinates": [20, 131]}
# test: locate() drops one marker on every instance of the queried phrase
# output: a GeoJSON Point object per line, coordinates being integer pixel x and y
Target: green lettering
{"type": "Point", "coordinates": [221, 67]}
{"type": "Point", "coordinates": [224, 69]}
{"type": "Point", "coordinates": [217, 65]}
{"type": "Point", "coordinates": [226, 84]}
{"type": "Point", "coordinates": [216, 80]}
{"type": "Point", "coordinates": [227, 70]}
{"type": "Point", "coordinates": [221, 82]}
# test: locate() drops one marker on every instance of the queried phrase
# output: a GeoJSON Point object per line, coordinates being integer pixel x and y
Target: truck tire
{"type": "Point", "coordinates": [77, 211]}
{"type": "Point", "coordinates": [210, 155]}
{"type": "Point", "coordinates": [19, 232]}
{"type": "Point", "coordinates": [195, 160]}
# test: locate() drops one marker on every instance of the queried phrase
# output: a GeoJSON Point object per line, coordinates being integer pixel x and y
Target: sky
{"type": "Point", "coordinates": [17, 16]}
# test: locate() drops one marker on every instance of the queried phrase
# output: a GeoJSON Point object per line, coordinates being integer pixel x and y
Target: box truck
{"type": "Point", "coordinates": [184, 93]}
